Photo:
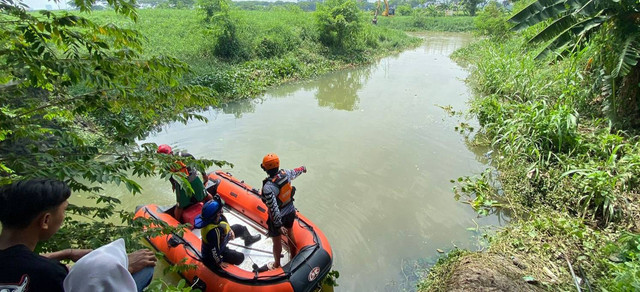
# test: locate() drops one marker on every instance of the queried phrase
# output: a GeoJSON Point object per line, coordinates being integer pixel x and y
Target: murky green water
{"type": "Point", "coordinates": [380, 154]}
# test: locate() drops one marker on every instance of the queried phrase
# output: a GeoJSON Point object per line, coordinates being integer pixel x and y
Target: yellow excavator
{"type": "Point", "coordinates": [384, 13]}
{"type": "Point", "coordinates": [386, 8]}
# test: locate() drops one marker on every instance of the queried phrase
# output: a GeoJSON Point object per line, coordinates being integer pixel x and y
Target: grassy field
{"type": "Point", "coordinates": [277, 46]}
{"type": "Point", "coordinates": [428, 23]}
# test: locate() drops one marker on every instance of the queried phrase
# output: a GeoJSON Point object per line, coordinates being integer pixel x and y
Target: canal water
{"type": "Point", "coordinates": [380, 153]}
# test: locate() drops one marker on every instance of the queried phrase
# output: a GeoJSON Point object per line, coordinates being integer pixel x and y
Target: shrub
{"type": "Point", "coordinates": [404, 10]}
{"type": "Point", "coordinates": [340, 25]}
{"type": "Point", "coordinates": [228, 44]}
{"type": "Point", "coordinates": [492, 21]}
{"type": "Point", "coordinates": [277, 42]}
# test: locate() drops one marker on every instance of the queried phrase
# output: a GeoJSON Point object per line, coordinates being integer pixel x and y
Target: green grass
{"type": "Point", "coordinates": [428, 23]}
{"type": "Point", "coordinates": [280, 45]}
{"type": "Point", "coordinates": [568, 178]}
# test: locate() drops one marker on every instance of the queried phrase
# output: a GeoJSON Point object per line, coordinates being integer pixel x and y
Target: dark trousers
{"type": "Point", "coordinates": [231, 256]}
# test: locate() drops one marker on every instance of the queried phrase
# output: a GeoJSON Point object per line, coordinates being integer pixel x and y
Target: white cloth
{"type": "Point", "coordinates": [104, 269]}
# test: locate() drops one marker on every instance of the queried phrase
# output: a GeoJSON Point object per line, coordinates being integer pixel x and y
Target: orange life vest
{"type": "Point", "coordinates": [183, 168]}
{"type": "Point", "coordinates": [285, 196]}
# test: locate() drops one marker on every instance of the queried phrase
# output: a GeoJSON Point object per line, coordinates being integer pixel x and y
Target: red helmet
{"type": "Point", "coordinates": [270, 161]}
{"type": "Point", "coordinates": [164, 148]}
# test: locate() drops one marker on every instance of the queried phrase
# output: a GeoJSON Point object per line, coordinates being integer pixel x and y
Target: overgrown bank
{"type": "Point", "coordinates": [239, 53]}
{"type": "Point", "coordinates": [423, 22]}
{"type": "Point", "coordinates": [563, 129]}
{"type": "Point", "coordinates": [78, 95]}
{"type": "Point", "coordinates": [79, 91]}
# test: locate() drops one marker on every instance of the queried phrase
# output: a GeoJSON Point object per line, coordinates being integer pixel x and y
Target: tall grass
{"type": "Point", "coordinates": [278, 45]}
{"type": "Point", "coordinates": [421, 22]}
{"type": "Point", "coordinates": [556, 153]}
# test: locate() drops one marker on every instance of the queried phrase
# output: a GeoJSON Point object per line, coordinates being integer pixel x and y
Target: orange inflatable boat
{"type": "Point", "coordinates": [304, 272]}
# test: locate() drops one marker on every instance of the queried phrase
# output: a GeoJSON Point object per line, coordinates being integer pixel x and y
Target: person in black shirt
{"type": "Point", "coordinates": [216, 234]}
{"type": "Point", "coordinates": [32, 211]}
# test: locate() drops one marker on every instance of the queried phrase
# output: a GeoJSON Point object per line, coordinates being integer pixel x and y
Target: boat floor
{"type": "Point", "coordinates": [260, 252]}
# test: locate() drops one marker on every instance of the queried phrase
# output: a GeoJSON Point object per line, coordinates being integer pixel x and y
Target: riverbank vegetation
{"type": "Point", "coordinates": [240, 53]}
{"type": "Point", "coordinates": [558, 104]}
{"type": "Point", "coordinates": [421, 20]}
{"type": "Point", "coordinates": [79, 90]}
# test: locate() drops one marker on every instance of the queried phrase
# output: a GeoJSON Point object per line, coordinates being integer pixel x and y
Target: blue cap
{"type": "Point", "coordinates": [209, 211]}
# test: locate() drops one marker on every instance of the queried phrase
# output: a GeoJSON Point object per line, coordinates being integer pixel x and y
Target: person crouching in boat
{"type": "Point", "coordinates": [183, 200]}
{"type": "Point", "coordinates": [216, 233]}
{"type": "Point", "coordinates": [277, 194]}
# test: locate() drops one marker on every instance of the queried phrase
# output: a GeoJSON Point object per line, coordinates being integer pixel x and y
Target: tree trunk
{"type": "Point", "coordinates": [628, 108]}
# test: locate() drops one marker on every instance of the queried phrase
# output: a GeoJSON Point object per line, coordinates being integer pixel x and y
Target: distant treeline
{"type": "Point", "coordinates": [265, 5]}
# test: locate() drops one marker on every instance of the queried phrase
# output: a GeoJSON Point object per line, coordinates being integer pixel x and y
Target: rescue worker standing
{"type": "Point", "coordinates": [184, 200]}
{"type": "Point", "coordinates": [277, 194]}
{"type": "Point", "coordinates": [216, 233]}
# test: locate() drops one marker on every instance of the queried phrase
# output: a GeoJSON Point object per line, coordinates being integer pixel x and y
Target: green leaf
{"type": "Point", "coordinates": [558, 26]}
{"type": "Point", "coordinates": [628, 58]}
{"type": "Point", "coordinates": [536, 12]}
{"type": "Point", "coordinates": [568, 35]}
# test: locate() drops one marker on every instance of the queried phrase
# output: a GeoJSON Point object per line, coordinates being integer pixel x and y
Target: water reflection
{"type": "Point", "coordinates": [340, 91]}
{"type": "Point", "coordinates": [237, 108]}
{"type": "Point", "coordinates": [337, 90]}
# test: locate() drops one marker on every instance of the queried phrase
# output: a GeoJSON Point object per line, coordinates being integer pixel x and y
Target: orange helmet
{"type": "Point", "coordinates": [270, 161]}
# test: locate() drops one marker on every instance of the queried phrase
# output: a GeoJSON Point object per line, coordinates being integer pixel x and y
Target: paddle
{"type": "Point", "coordinates": [252, 248]}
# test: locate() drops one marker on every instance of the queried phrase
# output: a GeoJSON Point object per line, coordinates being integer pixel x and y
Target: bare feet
{"type": "Point", "coordinates": [272, 266]}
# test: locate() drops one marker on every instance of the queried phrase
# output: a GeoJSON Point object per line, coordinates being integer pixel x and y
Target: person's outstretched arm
{"type": "Point", "coordinates": [72, 254]}
{"type": "Point", "coordinates": [293, 173]}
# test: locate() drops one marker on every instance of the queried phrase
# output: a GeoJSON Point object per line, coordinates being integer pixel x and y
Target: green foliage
{"type": "Point", "coordinates": [574, 22]}
{"type": "Point", "coordinates": [278, 41]}
{"type": "Point", "coordinates": [480, 192]}
{"type": "Point", "coordinates": [440, 273]}
{"type": "Point", "coordinates": [158, 285]}
{"type": "Point", "coordinates": [82, 70]}
{"type": "Point", "coordinates": [492, 21]}
{"type": "Point", "coordinates": [340, 25]}
{"type": "Point", "coordinates": [625, 272]}
{"type": "Point", "coordinates": [489, 111]}
{"type": "Point", "coordinates": [76, 95]}
{"type": "Point", "coordinates": [421, 20]}
{"type": "Point", "coordinates": [228, 44]}
{"type": "Point", "coordinates": [568, 176]}
{"type": "Point", "coordinates": [331, 279]}
{"type": "Point", "coordinates": [404, 10]}
{"type": "Point", "coordinates": [470, 6]}
{"type": "Point", "coordinates": [598, 188]}
{"type": "Point", "coordinates": [212, 7]}
{"type": "Point", "coordinates": [279, 36]}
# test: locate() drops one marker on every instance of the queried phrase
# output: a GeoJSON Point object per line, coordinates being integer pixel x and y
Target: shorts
{"type": "Point", "coordinates": [287, 222]}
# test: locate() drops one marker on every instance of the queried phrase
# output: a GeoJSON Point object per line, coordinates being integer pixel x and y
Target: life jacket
{"type": "Point", "coordinates": [286, 191]}
{"type": "Point", "coordinates": [183, 168]}
{"type": "Point", "coordinates": [224, 236]}
{"type": "Point", "coordinates": [188, 171]}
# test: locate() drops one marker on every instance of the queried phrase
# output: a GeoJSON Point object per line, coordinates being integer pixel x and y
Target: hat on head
{"type": "Point", "coordinates": [270, 161]}
{"type": "Point", "coordinates": [164, 148]}
{"type": "Point", "coordinates": [209, 211]}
